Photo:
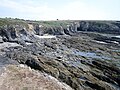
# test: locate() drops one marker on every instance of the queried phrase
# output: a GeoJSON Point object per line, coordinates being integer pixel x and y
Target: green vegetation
{"type": "Point", "coordinates": [11, 21]}
{"type": "Point", "coordinates": [55, 23]}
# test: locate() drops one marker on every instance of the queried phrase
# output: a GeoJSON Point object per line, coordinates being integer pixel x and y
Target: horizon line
{"type": "Point", "coordinates": [61, 19]}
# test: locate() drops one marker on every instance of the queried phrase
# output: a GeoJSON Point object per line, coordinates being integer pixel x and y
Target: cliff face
{"type": "Point", "coordinates": [100, 26]}
{"type": "Point", "coordinates": [16, 31]}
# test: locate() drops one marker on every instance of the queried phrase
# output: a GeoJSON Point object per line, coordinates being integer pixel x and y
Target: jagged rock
{"type": "Point", "coordinates": [4, 61]}
{"type": "Point", "coordinates": [102, 27]}
{"type": "Point", "coordinates": [37, 30]}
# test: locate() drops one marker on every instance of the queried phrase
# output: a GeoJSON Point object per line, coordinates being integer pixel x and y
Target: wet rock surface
{"type": "Point", "coordinates": [82, 60]}
{"type": "Point", "coordinates": [78, 61]}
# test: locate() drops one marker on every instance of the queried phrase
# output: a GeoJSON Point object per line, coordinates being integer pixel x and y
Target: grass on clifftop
{"type": "Point", "coordinates": [55, 23]}
{"type": "Point", "coordinates": [11, 21]}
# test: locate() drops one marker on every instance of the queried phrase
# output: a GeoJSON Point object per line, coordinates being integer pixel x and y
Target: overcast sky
{"type": "Point", "coordinates": [61, 9]}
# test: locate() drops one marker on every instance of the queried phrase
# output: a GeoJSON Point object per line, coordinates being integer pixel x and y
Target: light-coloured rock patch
{"type": "Point", "coordinates": [23, 78]}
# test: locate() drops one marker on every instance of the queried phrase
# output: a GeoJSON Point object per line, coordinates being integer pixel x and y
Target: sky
{"type": "Point", "coordinates": [61, 9]}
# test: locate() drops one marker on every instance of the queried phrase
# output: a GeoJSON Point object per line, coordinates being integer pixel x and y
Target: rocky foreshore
{"type": "Point", "coordinates": [80, 55]}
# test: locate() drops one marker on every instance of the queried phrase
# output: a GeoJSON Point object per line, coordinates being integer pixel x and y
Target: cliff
{"type": "Point", "coordinates": [14, 28]}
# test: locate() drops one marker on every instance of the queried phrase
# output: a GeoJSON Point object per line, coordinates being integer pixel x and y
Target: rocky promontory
{"type": "Point", "coordinates": [59, 55]}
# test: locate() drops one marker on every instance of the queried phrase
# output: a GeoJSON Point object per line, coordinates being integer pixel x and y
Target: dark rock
{"type": "Point", "coordinates": [23, 31]}
{"type": "Point", "coordinates": [33, 64]}
{"type": "Point", "coordinates": [94, 86]}
{"type": "Point", "coordinates": [102, 27]}
{"type": "Point", "coordinates": [37, 30]}
{"type": "Point", "coordinates": [104, 78]}
{"type": "Point", "coordinates": [103, 65]}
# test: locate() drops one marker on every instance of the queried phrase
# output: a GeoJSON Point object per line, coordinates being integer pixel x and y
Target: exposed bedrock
{"type": "Point", "coordinates": [83, 54]}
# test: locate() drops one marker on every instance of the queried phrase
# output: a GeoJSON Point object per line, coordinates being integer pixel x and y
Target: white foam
{"type": "Point", "coordinates": [115, 42]}
{"type": "Point", "coordinates": [101, 42]}
{"type": "Point", "coordinates": [8, 44]}
{"type": "Point", "coordinates": [28, 43]}
{"type": "Point", "coordinates": [117, 36]}
{"type": "Point", "coordinates": [45, 36]}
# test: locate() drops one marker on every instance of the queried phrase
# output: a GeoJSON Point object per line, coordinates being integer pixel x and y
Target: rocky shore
{"type": "Point", "coordinates": [78, 55]}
